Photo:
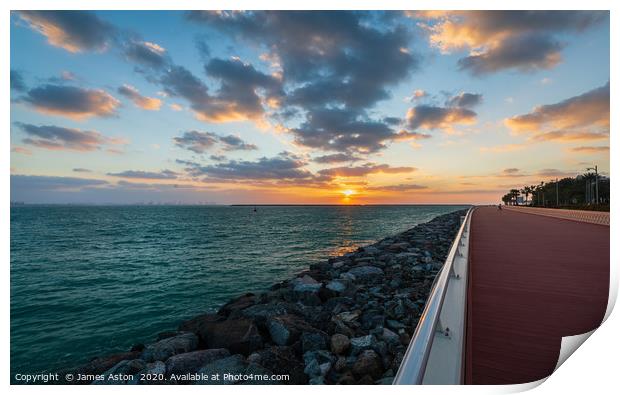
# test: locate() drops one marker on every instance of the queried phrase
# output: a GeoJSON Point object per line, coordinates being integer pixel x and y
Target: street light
{"type": "Point", "coordinates": [595, 168]}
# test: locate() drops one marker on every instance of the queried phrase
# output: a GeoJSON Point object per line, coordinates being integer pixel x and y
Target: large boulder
{"type": "Point", "coordinates": [368, 363]}
{"type": "Point", "coordinates": [339, 343]}
{"type": "Point", "coordinates": [282, 360]}
{"type": "Point", "coordinates": [101, 364]}
{"type": "Point", "coordinates": [366, 272]}
{"type": "Point", "coordinates": [240, 336]}
{"type": "Point", "coordinates": [199, 325]}
{"type": "Point", "coordinates": [238, 304]}
{"type": "Point", "coordinates": [261, 312]}
{"type": "Point", "coordinates": [164, 349]}
{"type": "Point", "coordinates": [228, 370]}
{"type": "Point", "coordinates": [312, 341]}
{"type": "Point", "coordinates": [286, 329]}
{"type": "Point", "coordinates": [123, 372]}
{"type": "Point", "coordinates": [191, 362]}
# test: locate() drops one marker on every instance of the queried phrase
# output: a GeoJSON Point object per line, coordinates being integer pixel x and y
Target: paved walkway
{"type": "Point", "coordinates": [533, 279]}
{"type": "Point", "coordinates": [593, 217]}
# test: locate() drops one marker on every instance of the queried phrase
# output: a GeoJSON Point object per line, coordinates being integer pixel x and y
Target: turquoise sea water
{"type": "Point", "coordinates": [88, 280]}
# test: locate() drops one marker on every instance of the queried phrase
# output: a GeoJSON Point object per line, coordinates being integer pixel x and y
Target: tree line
{"type": "Point", "coordinates": [569, 192]}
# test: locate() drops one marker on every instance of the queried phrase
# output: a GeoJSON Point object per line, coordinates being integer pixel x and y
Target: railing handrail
{"type": "Point", "coordinates": [413, 366]}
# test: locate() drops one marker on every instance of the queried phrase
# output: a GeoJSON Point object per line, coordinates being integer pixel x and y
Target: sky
{"type": "Point", "coordinates": [346, 107]}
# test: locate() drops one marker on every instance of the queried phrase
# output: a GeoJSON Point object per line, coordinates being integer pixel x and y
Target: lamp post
{"type": "Point", "coordinates": [595, 168]}
{"type": "Point", "coordinates": [557, 193]}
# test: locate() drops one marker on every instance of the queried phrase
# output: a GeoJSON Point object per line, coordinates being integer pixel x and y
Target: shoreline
{"type": "Point", "coordinates": [345, 320]}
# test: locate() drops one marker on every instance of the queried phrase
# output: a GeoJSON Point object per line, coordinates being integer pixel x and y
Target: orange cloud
{"type": "Point", "coordinates": [590, 150]}
{"type": "Point", "coordinates": [589, 110]}
{"type": "Point", "coordinates": [144, 102]}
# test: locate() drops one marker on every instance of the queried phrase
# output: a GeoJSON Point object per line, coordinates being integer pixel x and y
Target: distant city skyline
{"type": "Point", "coordinates": [357, 107]}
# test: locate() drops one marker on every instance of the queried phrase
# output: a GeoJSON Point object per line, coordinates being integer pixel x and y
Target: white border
{"type": "Point", "coordinates": [593, 367]}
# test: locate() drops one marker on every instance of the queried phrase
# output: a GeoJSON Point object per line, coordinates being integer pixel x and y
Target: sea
{"type": "Point", "coordinates": [92, 280]}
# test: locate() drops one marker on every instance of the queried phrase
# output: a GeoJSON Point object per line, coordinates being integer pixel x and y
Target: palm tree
{"type": "Point", "coordinates": [506, 199]}
{"type": "Point", "coordinates": [514, 193]}
{"type": "Point", "coordinates": [527, 190]}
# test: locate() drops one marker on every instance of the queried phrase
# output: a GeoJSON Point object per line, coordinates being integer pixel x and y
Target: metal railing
{"type": "Point", "coordinates": [413, 367]}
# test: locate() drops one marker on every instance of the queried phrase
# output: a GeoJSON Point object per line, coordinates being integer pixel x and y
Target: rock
{"type": "Point", "coordinates": [362, 341]}
{"type": "Point", "coordinates": [282, 360]}
{"type": "Point", "coordinates": [339, 343]}
{"type": "Point", "coordinates": [395, 325]}
{"type": "Point", "coordinates": [253, 371]}
{"type": "Point", "coordinates": [336, 286]}
{"type": "Point", "coordinates": [338, 264]}
{"type": "Point", "coordinates": [312, 368]}
{"type": "Point", "coordinates": [366, 272]}
{"type": "Point", "coordinates": [346, 379]}
{"type": "Point", "coordinates": [164, 349]}
{"type": "Point", "coordinates": [348, 316]}
{"type": "Point", "coordinates": [319, 380]}
{"type": "Point", "coordinates": [122, 372]}
{"type": "Point", "coordinates": [372, 250]}
{"type": "Point", "coordinates": [311, 341]}
{"type": "Point", "coordinates": [398, 247]}
{"type": "Point", "coordinates": [341, 364]}
{"type": "Point", "coordinates": [368, 363]}
{"type": "Point", "coordinates": [199, 324]}
{"type": "Point", "coordinates": [261, 312]}
{"type": "Point", "coordinates": [238, 304]}
{"type": "Point", "coordinates": [255, 358]}
{"type": "Point", "coordinates": [390, 337]}
{"type": "Point", "coordinates": [240, 336]}
{"type": "Point", "coordinates": [191, 362]}
{"type": "Point", "coordinates": [325, 368]}
{"type": "Point", "coordinates": [102, 364]}
{"type": "Point", "coordinates": [154, 374]}
{"type": "Point", "coordinates": [233, 365]}
{"type": "Point", "coordinates": [286, 329]}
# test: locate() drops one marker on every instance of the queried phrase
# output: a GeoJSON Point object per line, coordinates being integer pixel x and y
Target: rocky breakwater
{"type": "Point", "coordinates": [347, 320]}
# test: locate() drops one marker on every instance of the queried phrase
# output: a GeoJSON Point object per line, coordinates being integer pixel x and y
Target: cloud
{"type": "Point", "coordinates": [500, 40]}
{"type": "Point", "coordinates": [554, 173]}
{"type": "Point", "coordinates": [416, 95]}
{"type": "Point", "coordinates": [196, 141]}
{"type": "Point", "coordinates": [567, 136]}
{"type": "Point", "coordinates": [341, 130]}
{"type": "Point", "coordinates": [21, 150]}
{"type": "Point", "coordinates": [161, 175]}
{"type": "Point", "coordinates": [332, 66]}
{"type": "Point", "coordinates": [336, 158]}
{"type": "Point", "coordinates": [465, 100]}
{"type": "Point", "coordinates": [234, 143]}
{"type": "Point", "coordinates": [82, 170]}
{"type": "Point", "coordinates": [363, 170]}
{"type": "Point", "coordinates": [60, 138]}
{"type": "Point", "coordinates": [17, 81]}
{"type": "Point", "coordinates": [146, 54]}
{"type": "Point", "coordinates": [285, 166]}
{"type": "Point", "coordinates": [144, 102]}
{"type": "Point", "coordinates": [405, 135]}
{"type": "Point", "coordinates": [430, 117]}
{"type": "Point", "coordinates": [71, 102]}
{"type": "Point", "coordinates": [46, 183]}
{"type": "Point", "coordinates": [74, 31]}
{"type": "Point", "coordinates": [200, 142]}
{"type": "Point", "coordinates": [582, 117]}
{"type": "Point", "coordinates": [334, 56]}
{"type": "Point", "coordinates": [397, 188]}
{"type": "Point", "coordinates": [590, 150]}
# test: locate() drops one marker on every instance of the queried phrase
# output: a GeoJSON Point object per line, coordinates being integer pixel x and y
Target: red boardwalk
{"type": "Point", "coordinates": [533, 279]}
